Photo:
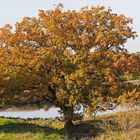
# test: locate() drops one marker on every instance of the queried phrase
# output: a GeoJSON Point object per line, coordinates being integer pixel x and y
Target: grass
{"type": "Point", "coordinates": [118, 126]}
{"type": "Point", "coordinates": [12, 129]}
{"type": "Point", "coordinates": [121, 126]}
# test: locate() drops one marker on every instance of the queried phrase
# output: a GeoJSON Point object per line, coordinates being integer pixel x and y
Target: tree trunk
{"type": "Point", "coordinates": [69, 126]}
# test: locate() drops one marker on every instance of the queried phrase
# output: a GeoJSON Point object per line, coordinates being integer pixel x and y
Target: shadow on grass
{"type": "Point", "coordinates": [87, 129]}
{"type": "Point", "coordinates": [28, 127]}
{"type": "Point", "coordinates": [81, 130]}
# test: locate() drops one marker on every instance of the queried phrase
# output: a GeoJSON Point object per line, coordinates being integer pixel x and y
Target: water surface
{"type": "Point", "coordinates": [51, 113]}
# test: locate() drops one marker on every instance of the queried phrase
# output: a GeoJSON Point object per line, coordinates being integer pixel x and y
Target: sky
{"type": "Point", "coordinates": [12, 11]}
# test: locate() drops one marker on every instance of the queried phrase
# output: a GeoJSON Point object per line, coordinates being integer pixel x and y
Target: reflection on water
{"type": "Point", "coordinates": [51, 113]}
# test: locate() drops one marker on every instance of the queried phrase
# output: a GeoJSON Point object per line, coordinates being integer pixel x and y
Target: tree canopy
{"type": "Point", "coordinates": [70, 59]}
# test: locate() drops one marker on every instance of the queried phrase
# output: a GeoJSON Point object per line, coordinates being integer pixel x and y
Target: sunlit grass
{"type": "Point", "coordinates": [118, 126]}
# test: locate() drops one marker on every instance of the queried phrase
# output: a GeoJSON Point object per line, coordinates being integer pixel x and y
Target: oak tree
{"type": "Point", "coordinates": [69, 59]}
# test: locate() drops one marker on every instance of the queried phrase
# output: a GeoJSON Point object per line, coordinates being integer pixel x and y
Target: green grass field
{"type": "Point", "coordinates": [12, 129]}
{"type": "Point", "coordinates": [118, 126]}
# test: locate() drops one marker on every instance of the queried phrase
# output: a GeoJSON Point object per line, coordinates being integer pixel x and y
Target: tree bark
{"type": "Point", "coordinates": [69, 126]}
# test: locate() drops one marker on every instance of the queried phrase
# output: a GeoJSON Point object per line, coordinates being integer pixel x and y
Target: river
{"type": "Point", "coordinates": [51, 113]}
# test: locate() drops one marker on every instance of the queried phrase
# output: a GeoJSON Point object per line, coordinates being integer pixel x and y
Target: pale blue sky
{"type": "Point", "coordinates": [14, 10]}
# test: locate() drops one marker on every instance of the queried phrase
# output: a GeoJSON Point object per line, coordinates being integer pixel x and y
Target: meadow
{"type": "Point", "coordinates": [117, 126]}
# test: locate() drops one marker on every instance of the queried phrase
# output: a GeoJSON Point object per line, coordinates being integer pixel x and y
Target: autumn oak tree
{"type": "Point", "coordinates": [69, 59]}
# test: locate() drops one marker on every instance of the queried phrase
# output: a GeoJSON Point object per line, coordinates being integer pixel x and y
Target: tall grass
{"type": "Point", "coordinates": [121, 126]}
{"type": "Point", "coordinates": [118, 126]}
